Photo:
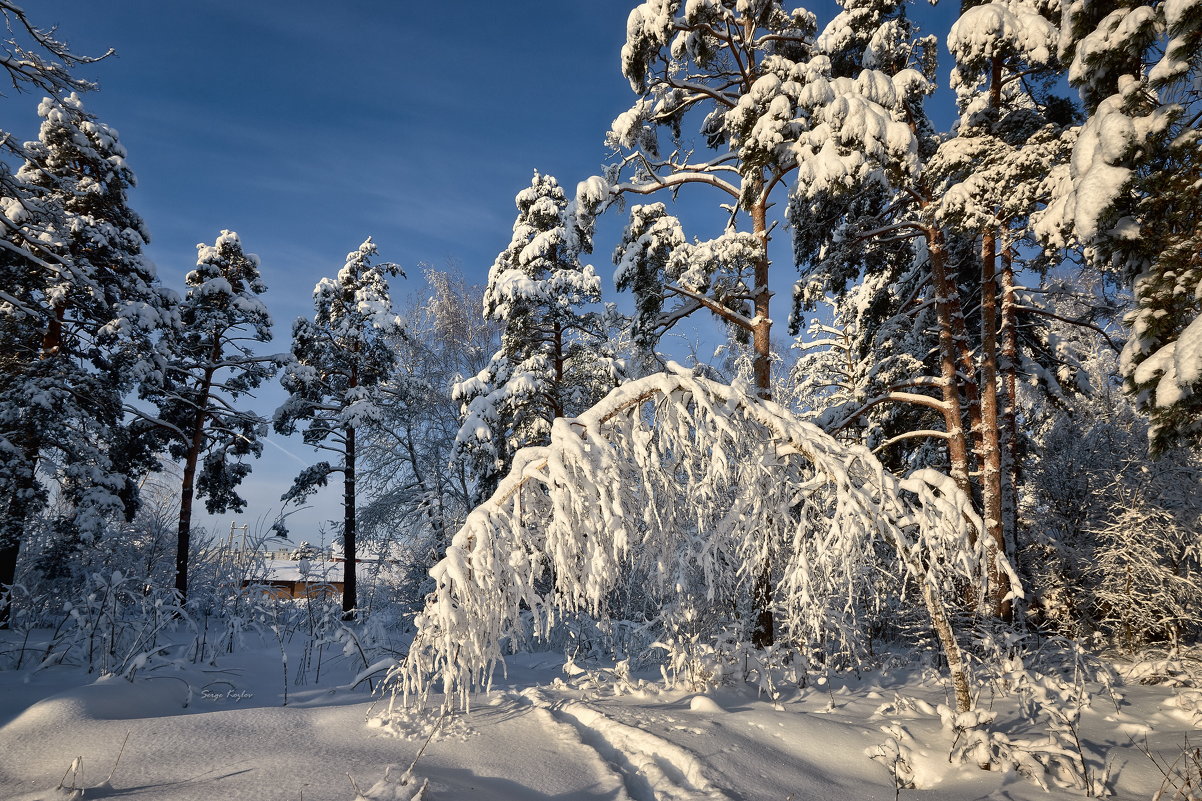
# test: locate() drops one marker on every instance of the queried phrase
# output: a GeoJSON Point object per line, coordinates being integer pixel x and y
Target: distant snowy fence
{"type": "Point", "coordinates": [690, 487]}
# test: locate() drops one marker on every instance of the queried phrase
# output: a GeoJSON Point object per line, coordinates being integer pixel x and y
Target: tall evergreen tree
{"type": "Point", "coordinates": [340, 361]}
{"type": "Point", "coordinates": [81, 307]}
{"type": "Point", "coordinates": [1128, 196]}
{"type": "Point", "coordinates": [550, 363]}
{"type": "Point", "coordinates": [769, 112]}
{"type": "Point", "coordinates": [939, 238]}
{"type": "Point", "coordinates": [210, 365]}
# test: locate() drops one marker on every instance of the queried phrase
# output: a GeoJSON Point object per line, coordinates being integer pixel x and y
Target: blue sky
{"type": "Point", "coordinates": [307, 126]}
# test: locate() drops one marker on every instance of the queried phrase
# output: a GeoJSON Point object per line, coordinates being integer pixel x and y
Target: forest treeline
{"type": "Point", "coordinates": [1012, 300]}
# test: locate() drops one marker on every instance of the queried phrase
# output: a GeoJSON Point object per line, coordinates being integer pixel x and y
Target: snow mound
{"type": "Point", "coordinates": [703, 703]}
{"type": "Point", "coordinates": [108, 698]}
{"type": "Point", "coordinates": [421, 725]}
{"type": "Point", "coordinates": [405, 787]}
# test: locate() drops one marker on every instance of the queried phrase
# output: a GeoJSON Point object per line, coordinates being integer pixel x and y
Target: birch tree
{"type": "Point", "coordinates": [620, 496]}
{"type": "Point", "coordinates": [419, 493]}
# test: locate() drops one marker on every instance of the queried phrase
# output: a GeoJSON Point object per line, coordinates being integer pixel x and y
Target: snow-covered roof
{"type": "Point", "coordinates": [292, 570]}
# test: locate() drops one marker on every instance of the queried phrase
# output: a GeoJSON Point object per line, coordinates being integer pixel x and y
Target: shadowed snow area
{"type": "Point", "coordinates": [223, 733]}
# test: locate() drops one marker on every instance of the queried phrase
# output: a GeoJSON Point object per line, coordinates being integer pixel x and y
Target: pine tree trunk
{"type": "Point", "coordinates": [16, 516]}
{"type": "Point", "coordinates": [52, 340]}
{"type": "Point", "coordinates": [953, 342]}
{"type": "Point", "coordinates": [557, 409]}
{"type": "Point", "coordinates": [763, 634]}
{"type": "Point", "coordinates": [183, 535]}
{"type": "Point", "coordinates": [183, 539]}
{"type": "Point", "coordinates": [991, 446]}
{"type": "Point", "coordinates": [991, 456]}
{"type": "Point", "coordinates": [10, 548]}
{"type": "Point", "coordinates": [953, 413]}
{"type": "Point", "coordinates": [1009, 367]}
{"type": "Point", "coordinates": [349, 586]}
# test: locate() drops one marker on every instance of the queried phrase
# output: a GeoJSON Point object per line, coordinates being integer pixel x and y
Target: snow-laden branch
{"type": "Point", "coordinates": [1079, 323]}
{"type": "Point", "coordinates": [890, 397]}
{"type": "Point", "coordinates": [726, 313]}
{"type": "Point", "coordinates": [674, 180]}
{"type": "Point", "coordinates": [927, 433]}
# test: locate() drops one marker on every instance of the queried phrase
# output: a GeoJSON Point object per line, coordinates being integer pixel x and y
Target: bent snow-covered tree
{"type": "Point", "coordinates": [769, 109]}
{"type": "Point", "coordinates": [668, 485]}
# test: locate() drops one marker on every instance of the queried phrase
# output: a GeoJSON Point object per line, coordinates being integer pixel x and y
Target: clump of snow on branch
{"type": "Point", "coordinates": [674, 484]}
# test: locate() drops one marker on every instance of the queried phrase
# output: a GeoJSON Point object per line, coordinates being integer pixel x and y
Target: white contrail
{"type": "Point", "coordinates": [286, 451]}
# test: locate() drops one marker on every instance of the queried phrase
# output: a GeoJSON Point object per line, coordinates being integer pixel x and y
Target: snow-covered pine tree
{"type": "Point", "coordinates": [549, 364]}
{"type": "Point", "coordinates": [861, 221]}
{"type": "Point", "coordinates": [210, 364]}
{"type": "Point", "coordinates": [340, 360]}
{"type": "Point", "coordinates": [748, 76]}
{"type": "Point", "coordinates": [1128, 197]}
{"type": "Point", "coordinates": [81, 305]}
{"type": "Point", "coordinates": [941, 236]}
{"type": "Point", "coordinates": [31, 57]}
{"type": "Point", "coordinates": [863, 210]}
{"type": "Point", "coordinates": [990, 179]}
{"type": "Point", "coordinates": [742, 66]}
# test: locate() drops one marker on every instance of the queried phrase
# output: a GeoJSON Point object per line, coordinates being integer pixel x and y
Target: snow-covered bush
{"type": "Point", "coordinates": [1028, 718]}
{"type": "Point", "coordinates": [405, 787]}
{"type": "Point", "coordinates": [1147, 566]}
{"type": "Point", "coordinates": [1111, 544]}
{"type": "Point", "coordinates": [1048, 683]}
{"type": "Point", "coordinates": [112, 624]}
{"type": "Point", "coordinates": [1176, 667]}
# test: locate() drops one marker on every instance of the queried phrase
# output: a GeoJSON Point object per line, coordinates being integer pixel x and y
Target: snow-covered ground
{"type": "Point", "coordinates": [201, 732]}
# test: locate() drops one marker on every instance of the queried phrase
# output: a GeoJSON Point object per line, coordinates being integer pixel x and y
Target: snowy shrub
{"type": "Point", "coordinates": [700, 662]}
{"type": "Point", "coordinates": [896, 755]}
{"type": "Point", "coordinates": [1175, 668]}
{"type": "Point", "coordinates": [56, 560]}
{"type": "Point", "coordinates": [1148, 567]}
{"type": "Point", "coordinates": [1043, 759]}
{"type": "Point", "coordinates": [1030, 722]}
{"type": "Point", "coordinates": [405, 787]}
{"type": "Point", "coordinates": [692, 661]}
{"type": "Point", "coordinates": [1183, 777]}
{"type": "Point", "coordinates": [1111, 543]}
{"type": "Point", "coordinates": [1050, 684]}
{"type": "Point", "coordinates": [114, 624]}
